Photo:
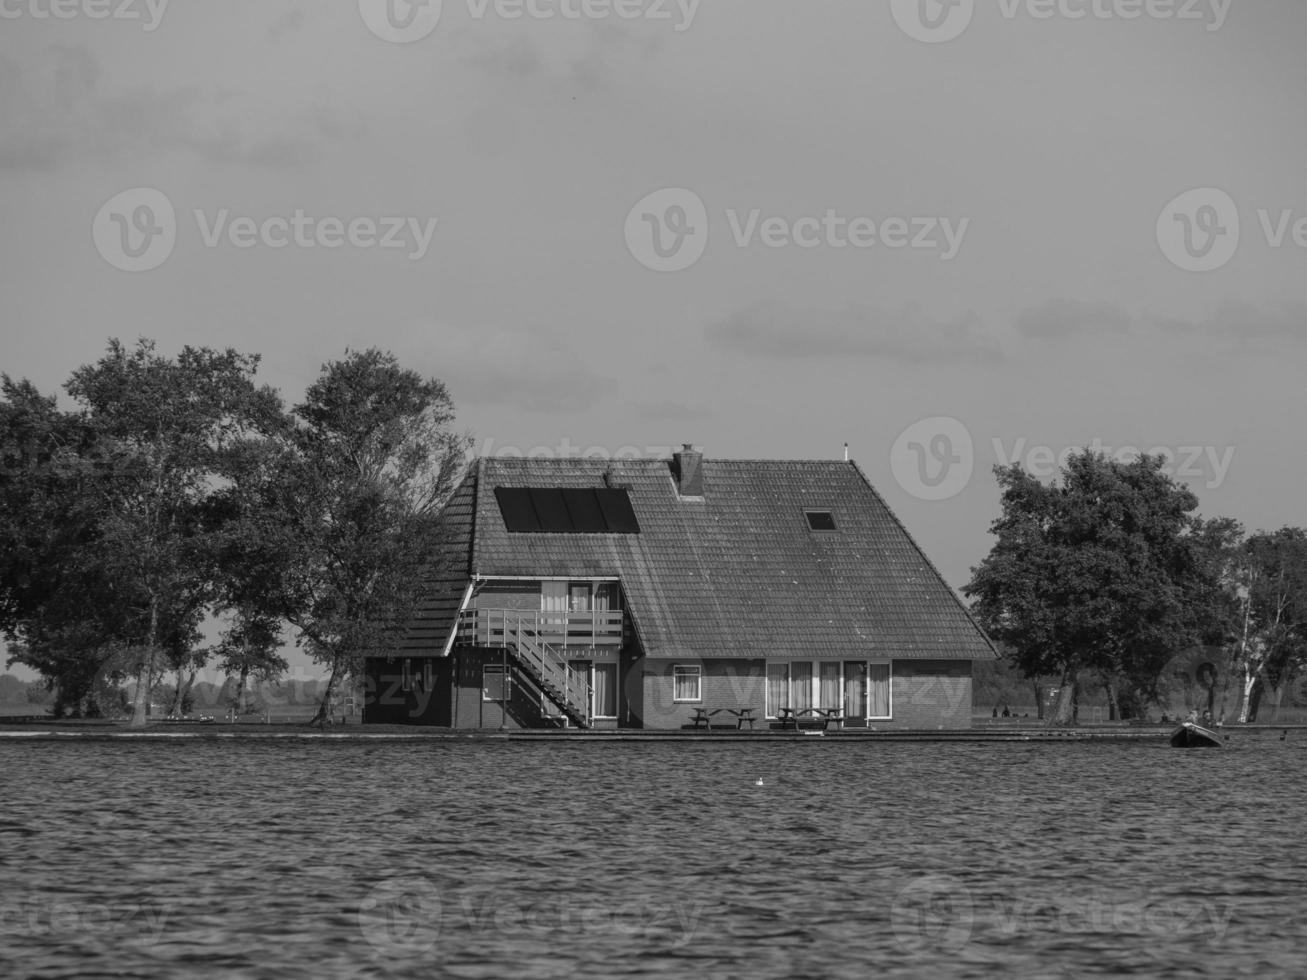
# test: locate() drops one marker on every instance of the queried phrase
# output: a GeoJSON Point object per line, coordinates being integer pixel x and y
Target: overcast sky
{"type": "Point", "coordinates": [946, 234]}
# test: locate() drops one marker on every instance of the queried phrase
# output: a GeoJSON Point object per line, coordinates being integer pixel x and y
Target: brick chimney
{"type": "Point", "coordinates": [688, 468]}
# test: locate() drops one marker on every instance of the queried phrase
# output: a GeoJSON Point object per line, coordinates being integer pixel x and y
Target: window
{"type": "Point", "coordinates": [778, 688]}
{"type": "Point", "coordinates": [878, 684]}
{"type": "Point", "coordinates": [820, 520]}
{"type": "Point", "coordinates": [496, 684]}
{"type": "Point", "coordinates": [861, 689]}
{"type": "Point", "coordinates": [687, 683]}
{"type": "Point", "coordinates": [605, 691]}
{"type": "Point", "coordinates": [578, 597]}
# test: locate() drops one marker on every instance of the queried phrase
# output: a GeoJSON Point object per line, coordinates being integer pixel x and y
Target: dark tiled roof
{"type": "Point", "coordinates": [452, 571]}
{"type": "Point", "coordinates": [735, 574]}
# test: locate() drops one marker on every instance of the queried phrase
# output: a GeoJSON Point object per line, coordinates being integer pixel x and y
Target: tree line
{"type": "Point", "coordinates": [1109, 576]}
{"type": "Point", "coordinates": [178, 488]}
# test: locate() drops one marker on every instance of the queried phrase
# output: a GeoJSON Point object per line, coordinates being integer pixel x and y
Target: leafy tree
{"type": "Point", "coordinates": [249, 647]}
{"type": "Point", "coordinates": [108, 509]}
{"type": "Point", "coordinates": [1095, 575]}
{"type": "Point", "coordinates": [1272, 644]}
{"type": "Point", "coordinates": [340, 517]}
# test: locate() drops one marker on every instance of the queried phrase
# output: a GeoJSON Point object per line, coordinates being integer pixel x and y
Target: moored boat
{"type": "Point", "coordinates": [1191, 736]}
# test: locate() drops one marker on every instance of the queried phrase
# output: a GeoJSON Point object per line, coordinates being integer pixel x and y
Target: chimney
{"type": "Point", "coordinates": [688, 467]}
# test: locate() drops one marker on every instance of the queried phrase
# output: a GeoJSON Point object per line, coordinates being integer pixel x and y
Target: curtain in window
{"type": "Point", "coordinates": [778, 688]}
{"type": "Point", "coordinates": [606, 597]}
{"type": "Point", "coordinates": [830, 686]}
{"type": "Point", "coordinates": [855, 689]}
{"type": "Point", "coordinates": [579, 596]}
{"type": "Point", "coordinates": [553, 599]}
{"type": "Point", "coordinates": [686, 683]}
{"type": "Point", "coordinates": [606, 690]}
{"type": "Point", "coordinates": [878, 678]}
{"type": "Point", "coordinates": [801, 684]}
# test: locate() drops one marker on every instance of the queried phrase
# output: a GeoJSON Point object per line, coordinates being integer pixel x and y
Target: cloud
{"type": "Point", "coordinates": [288, 23]}
{"type": "Point", "coordinates": [1073, 318]}
{"type": "Point", "coordinates": [522, 368]}
{"type": "Point", "coordinates": [1242, 323]}
{"type": "Point", "coordinates": [59, 113]}
{"type": "Point", "coordinates": [592, 57]}
{"type": "Point", "coordinates": [772, 330]}
{"type": "Point", "coordinates": [665, 409]}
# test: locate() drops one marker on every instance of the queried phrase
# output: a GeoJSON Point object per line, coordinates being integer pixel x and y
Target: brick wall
{"type": "Point", "coordinates": [930, 694]}
{"type": "Point", "coordinates": [927, 694]}
{"type": "Point", "coordinates": [725, 684]}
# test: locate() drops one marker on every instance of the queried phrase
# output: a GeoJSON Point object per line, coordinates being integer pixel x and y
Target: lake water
{"type": "Point", "coordinates": [346, 857]}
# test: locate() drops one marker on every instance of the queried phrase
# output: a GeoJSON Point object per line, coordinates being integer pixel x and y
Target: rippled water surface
{"type": "Point", "coordinates": [330, 857]}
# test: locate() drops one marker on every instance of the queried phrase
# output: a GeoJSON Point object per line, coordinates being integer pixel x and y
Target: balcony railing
{"type": "Point", "coordinates": [503, 627]}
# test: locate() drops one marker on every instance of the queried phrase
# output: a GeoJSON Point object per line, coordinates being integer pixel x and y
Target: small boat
{"type": "Point", "coordinates": [1191, 736]}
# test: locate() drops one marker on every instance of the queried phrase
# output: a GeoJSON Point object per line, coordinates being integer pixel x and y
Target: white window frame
{"type": "Point", "coordinates": [771, 711]}
{"type": "Point", "coordinates": [594, 693]}
{"type": "Point", "coordinates": [688, 670]}
{"type": "Point", "coordinates": [889, 681]}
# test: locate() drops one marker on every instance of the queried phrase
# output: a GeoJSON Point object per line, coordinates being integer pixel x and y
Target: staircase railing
{"type": "Point", "coordinates": [531, 635]}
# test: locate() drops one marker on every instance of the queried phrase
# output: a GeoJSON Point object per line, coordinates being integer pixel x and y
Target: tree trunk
{"type": "Point", "coordinates": [186, 692]}
{"type": "Point", "coordinates": [1113, 711]}
{"type": "Point", "coordinates": [1277, 695]}
{"type": "Point", "coordinates": [1066, 711]}
{"type": "Point", "coordinates": [1255, 698]}
{"type": "Point", "coordinates": [242, 686]}
{"type": "Point", "coordinates": [1245, 704]}
{"type": "Point", "coordinates": [175, 711]}
{"type": "Point", "coordinates": [1039, 698]}
{"type": "Point", "coordinates": [323, 718]}
{"type": "Point", "coordinates": [141, 702]}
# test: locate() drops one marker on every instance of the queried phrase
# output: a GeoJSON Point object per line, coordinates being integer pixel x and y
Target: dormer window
{"type": "Point", "coordinates": [820, 520]}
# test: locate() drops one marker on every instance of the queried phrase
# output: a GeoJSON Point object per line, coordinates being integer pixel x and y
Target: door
{"type": "Point", "coordinates": [604, 704]}
{"type": "Point", "coordinates": [855, 694]}
{"type": "Point", "coordinates": [578, 685]}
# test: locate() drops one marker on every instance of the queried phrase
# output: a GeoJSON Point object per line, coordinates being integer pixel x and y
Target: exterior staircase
{"type": "Point", "coordinates": [523, 635]}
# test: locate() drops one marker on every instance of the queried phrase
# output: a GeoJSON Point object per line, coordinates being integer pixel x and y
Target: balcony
{"type": "Point", "coordinates": [516, 628]}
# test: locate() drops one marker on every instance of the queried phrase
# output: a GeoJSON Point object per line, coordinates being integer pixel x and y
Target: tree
{"type": "Point", "coordinates": [111, 520]}
{"type": "Point", "coordinates": [1096, 575]}
{"type": "Point", "coordinates": [340, 517]}
{"type": "Point", "coordinates": [1272, 645]}
{"type": "Point", "coordinates": [249, 647]}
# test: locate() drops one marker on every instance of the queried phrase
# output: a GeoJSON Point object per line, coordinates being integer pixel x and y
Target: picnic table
{"type": "Point", "coordinates": [702, 717]}
{"type": "Point", "coordinates": [790, 717]}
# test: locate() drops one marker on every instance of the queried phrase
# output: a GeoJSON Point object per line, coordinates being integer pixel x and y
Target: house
{"type": "Point", "coordinates": [643, 593]}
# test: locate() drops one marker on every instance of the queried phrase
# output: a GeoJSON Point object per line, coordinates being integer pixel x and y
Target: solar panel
{"type": "Point", "coordinates": [516, 507]}
{"type": "Point", "coordinates": [552, 510]}
{"type": "Point", "coordinates": [570, 511]}
{"type": "Point", "coordinates": [587, 518]}
{"type": "Point", "coordinates": [618, 512]}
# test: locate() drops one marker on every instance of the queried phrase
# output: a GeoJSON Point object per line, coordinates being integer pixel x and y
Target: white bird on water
{"type": "Point", "coordinates": [759, 782]}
